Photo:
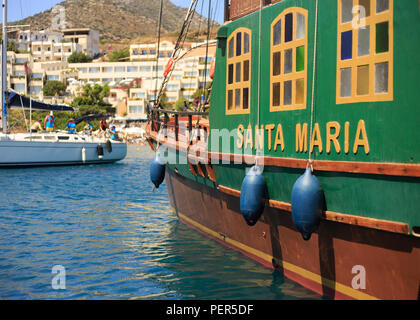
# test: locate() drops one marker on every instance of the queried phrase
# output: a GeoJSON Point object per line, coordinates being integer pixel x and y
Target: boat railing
{"type": "Point", "coordinates": [158, 124]}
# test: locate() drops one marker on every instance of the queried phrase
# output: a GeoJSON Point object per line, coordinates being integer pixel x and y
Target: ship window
{"type": "Point", "coordinates": [239, 72]}
{"type": "Point", "coordinates": [381, 77]}
{"type": "Point", "coordinates": [345, 82]}
{"type": "Point", "coordinates": [365, 51]}
{"type": "Point", "coordinates": [346, 11]}
{"type": "Point", "coordinates": [276, 63]}
{"type": "Point", "coordinates": [288, 36]}
{"type": "Point", "coordinates": [246, 70]}
{"type": "Point", "coordinates": [230, 74]}
{"type": "Point", "coordinates": [365, 4]}
{"type": "Point", "coordinates": [246, 43]}
{"type": "Point", "coordinates": [289, 60]}
{"type": "Point", "coordinates": [364, 42]}
{"type": "Point", "coordinates": [382, 5]}
{"type": "Point", "coordinates": [239, 44]}
{"type": "Point", "coordinates": [346, 45]}
{"type": "Point", "coordinates": [301, 26]}
{"type": "Point", "coordinates": [231, 44]}
{"type": "Point", "coordinates": [382, 37]}
{"type": "Point", "coordinates": [277, 33]}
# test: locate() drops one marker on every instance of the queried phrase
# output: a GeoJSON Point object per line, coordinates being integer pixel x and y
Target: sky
{"type": "Point", "coordinates": [20, 9]}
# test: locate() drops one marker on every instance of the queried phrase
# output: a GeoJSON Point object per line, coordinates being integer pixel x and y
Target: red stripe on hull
{"type": "Point", "coordinates": [323, 264]}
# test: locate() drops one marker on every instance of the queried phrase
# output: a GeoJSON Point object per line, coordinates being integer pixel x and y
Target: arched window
{"type": "Point", "coordinates": [288, 73]}
{"type": "Point", "coordinates": [365, 51]}
{"type": "Point", "coordinates": [238, 93]}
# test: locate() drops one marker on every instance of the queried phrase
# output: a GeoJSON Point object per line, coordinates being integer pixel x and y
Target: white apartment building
{"type": "Point", "coordinates": [49, 45]}
{"type": "Point", "coordinates": [190, 74]}
{"type": "Point", "coordinates": [88, 39]}
{"type": "Point", "coordinates": [26, 76]}
{"type": "Point", "coordinates": [132, 83]}
{"type": "Point", "coordinates": [25, 38]}
{"type": "Point", "coordinates": [148, 51]}
{"type": "Point", "coordinates": [50, 51]}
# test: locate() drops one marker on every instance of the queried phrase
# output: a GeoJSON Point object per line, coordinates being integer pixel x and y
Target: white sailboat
{"type": "Point", "coordinates": [48, 148]}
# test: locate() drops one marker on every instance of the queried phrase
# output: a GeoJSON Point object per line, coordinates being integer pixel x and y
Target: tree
{"type": "Point", "coordinates": [52, 88]}
{"type": "Point", "coordinates": [180, 104]}
{"type": "Point", "coordinates": [96, 93]}
{"type": "Point", "coordinates": [201, 92]}
{"type": "Point", "coordinates": [164, 103]}
{"type": "Point", "coordinates": [79, 57]}
{"type": "Point", "coordinates": [11, 46]}
{"type": "Point", "coordinates": [118, 55]}
{"type": "Point", "coordinates": [92, 100]}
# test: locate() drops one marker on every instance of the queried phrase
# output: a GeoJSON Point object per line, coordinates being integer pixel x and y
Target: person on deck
{"type": "Point", "coordinates": [103, 127]}
{"type": "Point", "coordinates": [72, 126]}
{"type": "Point", "coordinates": [49, 122]}
{"type": "Point", "coordinates": [89, 129]}
{"type": "Point", "coordinates": [113, 133]}
{"type": "Point", "coordinates": [37, 126]}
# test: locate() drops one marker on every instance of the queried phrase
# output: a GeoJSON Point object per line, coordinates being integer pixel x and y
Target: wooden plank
{"type": "Point", "coordinates": [374, 168]}
{"type": "Point", "coordinates": [390, 226]}
{"type": "Point", "coordinates": [210, 172]}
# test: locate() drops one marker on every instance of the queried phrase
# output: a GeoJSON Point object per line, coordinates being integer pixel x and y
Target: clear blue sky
{"type": "Point", "coordinates": [19, 9]}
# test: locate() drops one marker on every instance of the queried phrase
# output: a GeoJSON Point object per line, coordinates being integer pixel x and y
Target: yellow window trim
{"type": "Point", "coordinates": [371, 59]}
{"type": "Point", "coordinates": [242, 84]}
{"type": "Point", "coordinates": [282, 47]}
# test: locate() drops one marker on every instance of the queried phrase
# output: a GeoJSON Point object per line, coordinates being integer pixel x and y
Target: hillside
{"type": "Point", "coordinates": [118, 20]}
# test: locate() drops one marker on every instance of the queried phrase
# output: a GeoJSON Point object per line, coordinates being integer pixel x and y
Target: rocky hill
{"type": "Point", "coordinates": [118, 20]}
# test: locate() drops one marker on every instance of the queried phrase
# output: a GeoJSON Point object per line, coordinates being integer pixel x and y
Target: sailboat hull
{"type": "Point", "coordinates": [32, 154]}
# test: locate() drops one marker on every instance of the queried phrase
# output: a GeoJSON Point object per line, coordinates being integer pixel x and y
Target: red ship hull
{"type": "Point", "coordinates": [329, 263]}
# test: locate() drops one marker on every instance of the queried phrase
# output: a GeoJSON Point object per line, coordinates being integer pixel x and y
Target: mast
{"type": "Point", "coordinates": [4, 69]}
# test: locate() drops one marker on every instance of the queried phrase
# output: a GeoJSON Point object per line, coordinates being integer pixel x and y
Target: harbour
{"type": "Point", "coordinates": [257, 153]}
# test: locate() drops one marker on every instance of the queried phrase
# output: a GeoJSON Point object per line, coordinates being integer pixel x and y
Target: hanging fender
{"type": "Point", "coordinates": [307, 204]}
{"type": "Point", "coordinates": [100, 151]}
{"type": "Point", "coordinates": [84, 154]}
{"type": "Point", "coordinates": [168, 67]}
{"type": "Point", "coordinates": [109, 146]}
{"type": "Point", "coordinates": [157, 171]}
{"type": "Point", "coordinates": [253, 196]}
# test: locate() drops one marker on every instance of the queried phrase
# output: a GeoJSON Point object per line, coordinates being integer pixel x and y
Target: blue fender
{"type": "Point", "coordinates": [253, 195]}
{"type": "Point", "coordinates": [157, 171]}
{"type": "Point", "coordinates": [307, 204]}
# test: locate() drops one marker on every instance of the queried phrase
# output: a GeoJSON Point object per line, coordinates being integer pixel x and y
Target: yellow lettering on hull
{"type": "Point", "coordinates": [334, 141]}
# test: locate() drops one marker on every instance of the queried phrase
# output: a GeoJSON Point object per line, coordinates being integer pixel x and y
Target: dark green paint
{"type": "Point", "coordinates": [392, 126]}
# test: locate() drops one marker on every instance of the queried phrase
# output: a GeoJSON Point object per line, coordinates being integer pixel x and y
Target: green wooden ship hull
{"type": "Point", "coordinates": [304, 83]}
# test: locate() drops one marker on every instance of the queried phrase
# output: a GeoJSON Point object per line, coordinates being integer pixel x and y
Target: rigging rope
{"type": "Point", "coordinates": [313, 86]}
{"type": "Point", "coordinates": [207, 54]}
{"type": "Point", "coordinates": [158, 47]}
{"type": "Point", "coordinates": [179, 44]}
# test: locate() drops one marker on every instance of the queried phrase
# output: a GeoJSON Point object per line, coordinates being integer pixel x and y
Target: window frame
{"type": "Point", "coordinates": [372, 59]}
{"type": "Point", "coordinates": [241, 85]}
{"type": "Point", "coordinates": [282, 48]}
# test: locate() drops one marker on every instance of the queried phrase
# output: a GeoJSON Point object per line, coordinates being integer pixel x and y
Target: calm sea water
{"type": "Point", "coordinates": [116, 239]}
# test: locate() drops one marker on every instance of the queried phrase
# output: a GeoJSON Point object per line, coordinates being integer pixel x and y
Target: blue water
{"type": "Point", "coordinates": [116, 239]}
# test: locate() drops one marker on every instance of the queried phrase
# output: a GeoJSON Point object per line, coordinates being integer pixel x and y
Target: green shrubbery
{"type": "Point", "coordinates": [79, 57]}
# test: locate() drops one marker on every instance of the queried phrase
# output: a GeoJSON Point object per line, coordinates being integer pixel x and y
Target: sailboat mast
{"type": "Point", "coordinates": [4, 69]}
